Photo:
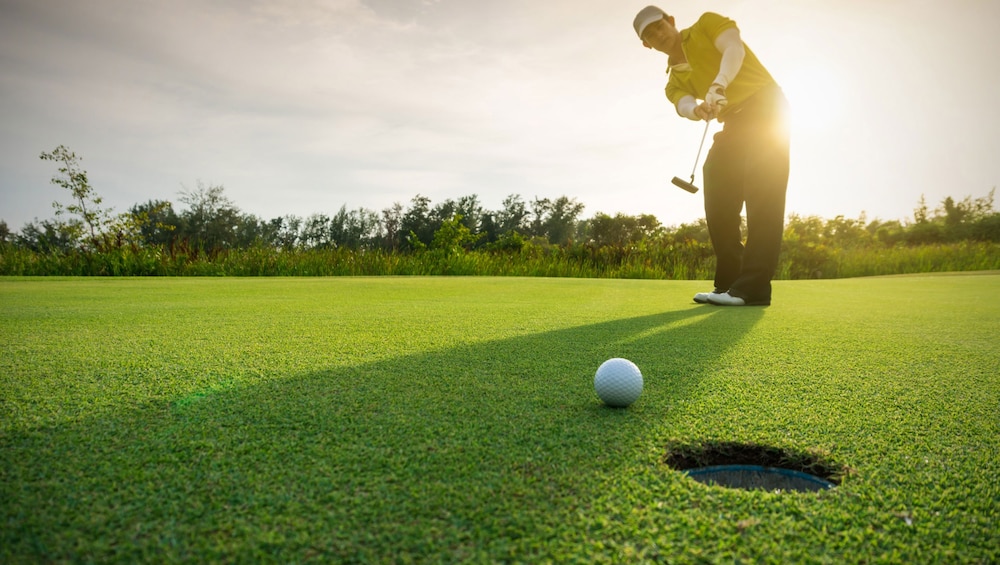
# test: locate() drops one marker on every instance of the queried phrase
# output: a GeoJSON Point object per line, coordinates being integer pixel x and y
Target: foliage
{"type": "Point", "coordinates": [555, 219]}
{"type": "Point", "coordinates": [90, 227]}
{"type": "Point", "coordinates": [543, 237]}
{"type": "Point", "coordinates": [453, 236]}
{"type": "Point", "coordinates": [48, 236]}
{"type": "Point", "coordinates": [91, 218]}
{"type": "Point", "coordinates": [622, 230]}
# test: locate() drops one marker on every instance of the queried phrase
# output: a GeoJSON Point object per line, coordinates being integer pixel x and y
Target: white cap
{"type": "Point", "coordinates": [646, 16]}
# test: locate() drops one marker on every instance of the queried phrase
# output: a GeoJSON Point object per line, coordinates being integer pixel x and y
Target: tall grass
{"type": "Point", "coordinates": [686, 261]}
{"type": "Point", "coordinates": [962, 256]}
{"type": "Point", "coordinates": [862, 261]}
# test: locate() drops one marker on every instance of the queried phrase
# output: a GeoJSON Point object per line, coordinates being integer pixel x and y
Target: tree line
{"type": "Point", "coordinates": [209, 224]}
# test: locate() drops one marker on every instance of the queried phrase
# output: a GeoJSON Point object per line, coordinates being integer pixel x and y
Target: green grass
{"type": "Point", "coordinates": [454, 420]}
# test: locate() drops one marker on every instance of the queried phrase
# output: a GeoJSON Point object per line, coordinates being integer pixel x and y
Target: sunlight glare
{"type": "Point", "coordinates": [816, 99]}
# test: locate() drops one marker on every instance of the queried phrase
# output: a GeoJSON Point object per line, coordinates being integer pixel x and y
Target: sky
{"type": "Point", "coordinates": [304, 106]}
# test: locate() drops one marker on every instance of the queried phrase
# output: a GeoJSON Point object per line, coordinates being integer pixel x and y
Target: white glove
{"type": "Point", "coordinates": [716, 97]}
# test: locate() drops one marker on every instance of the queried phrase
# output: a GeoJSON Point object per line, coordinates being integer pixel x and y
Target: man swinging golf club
{"type": "Point", "coordinates": [748, 161]}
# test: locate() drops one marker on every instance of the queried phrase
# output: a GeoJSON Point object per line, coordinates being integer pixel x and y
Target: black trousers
{"type": "Point", "coordinates": [748, 164]}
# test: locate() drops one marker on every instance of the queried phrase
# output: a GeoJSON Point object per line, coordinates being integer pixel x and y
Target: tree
{"type": "Point", "coordinates": [354, 229]}
{"type": "Point", "coordinates": [211, 220]}
{"type": "Point", "coordinates": [961, 218]}
{"type": "Point", "coordinates": [649, 226]}
{"type": "Point", "coordinates": [48, 236]}
{"type": "Point", "coordinates": [559, 224]}
{"type": "Point", "coordinates": [249, 231]}
{"type": "Point", "coordinates": [471, 211]}
{"type": "Point", "coordinates": [921, 215]}
{"type": "Point", "coordinates": [157, 221]}
{"type": "Point", "coordinates": [540, 210]}
{"type": "Point", "coordinates": [488, 228]}
{"type": "Point", "coordinates": [286, 231]}
{"type": "Point", "coordinates": [696, 232]}
{"type": "Point", "coordinates": [366, 228]}
{"type": "Point", "coordinates": [513, 217]}
{"type": "Point", "coordinates": [621, 230]}
{"type": "Point", "coordinates": [605, 230]}
{"type": "Point", "coordinates": [317, 232]}
{"type": "Point", "coordinates": [887, 233]}
{"type": "Point", "coordinates": [417, 222]}
{"type": "Point", "coordinates": [808, 229]}
{"type": "Point", "coordinates": [271, 233]}
{"type": "Point", "coordinates": [392, 220]}
{"type": "Point", "coordinates": [467, 207]}
{"type": "Point", "coordinates": [987, 229]}
{"type": "Point", "coordinates": [844, 232]}
{"type": "Point", "coordinates": [453, 236]}
{"type": "Point", "coordinates": [102, 228]}
{"type": "Point", "coordinates": [952, 221]}
{"type": "Point", "coordinates": [92, 218]}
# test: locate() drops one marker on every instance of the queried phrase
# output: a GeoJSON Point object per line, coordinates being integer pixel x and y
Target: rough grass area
{"type": "Point", "coordinates": [454, 420]}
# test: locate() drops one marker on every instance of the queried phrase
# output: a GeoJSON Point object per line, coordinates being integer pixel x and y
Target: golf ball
{"type": "Point", "coordinates": [618, 382]}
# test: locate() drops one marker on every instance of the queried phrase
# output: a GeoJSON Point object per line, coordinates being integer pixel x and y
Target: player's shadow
{"type": "Point", "coordinates": [444, 443]}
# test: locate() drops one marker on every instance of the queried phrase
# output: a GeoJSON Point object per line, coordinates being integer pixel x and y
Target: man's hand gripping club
{"type": "Point", "coordinates": [715, 101]}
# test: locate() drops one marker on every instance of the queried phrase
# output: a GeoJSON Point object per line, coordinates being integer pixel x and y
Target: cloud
{"type": "Point", "coordinates": [303, 106]}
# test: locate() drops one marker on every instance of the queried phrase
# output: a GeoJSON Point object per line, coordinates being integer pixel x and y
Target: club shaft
{"type": "Point", "coordinates": [700, 146]}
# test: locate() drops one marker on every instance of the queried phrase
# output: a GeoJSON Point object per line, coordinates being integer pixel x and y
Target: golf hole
{"type": "Point", "coordinates": [754, 467]}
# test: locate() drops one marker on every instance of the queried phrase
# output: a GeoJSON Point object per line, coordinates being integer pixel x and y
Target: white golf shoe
{"type": "Point", "coordinates": [706, 297]}
{"type": "Point", "coordinates": [726, 299]}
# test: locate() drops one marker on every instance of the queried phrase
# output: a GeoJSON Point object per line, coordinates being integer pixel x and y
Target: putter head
{"type": "Point", "coordinates": [685, 185]}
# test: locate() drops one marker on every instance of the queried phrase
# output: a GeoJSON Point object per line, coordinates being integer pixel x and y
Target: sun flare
{"type": "Point", "coordinates": [816, 98]}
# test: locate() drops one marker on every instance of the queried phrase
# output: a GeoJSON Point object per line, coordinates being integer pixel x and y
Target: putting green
{"type": "Point", "coordinates": [454, 419]}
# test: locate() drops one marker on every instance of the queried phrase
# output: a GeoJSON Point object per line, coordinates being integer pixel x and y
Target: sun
{"type": "Point", "coordinates": [816, 97]}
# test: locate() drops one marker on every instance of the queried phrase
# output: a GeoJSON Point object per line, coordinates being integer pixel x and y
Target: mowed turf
{"type": "Point", "coordinates": [454, 420]}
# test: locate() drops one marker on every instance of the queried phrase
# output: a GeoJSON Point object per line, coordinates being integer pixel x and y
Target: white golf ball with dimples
{"type": "Point", "coordinates": [618, 382]}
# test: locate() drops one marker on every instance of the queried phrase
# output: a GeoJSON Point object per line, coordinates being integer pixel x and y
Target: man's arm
{"type": "Point", "coordinates": [731, 46]}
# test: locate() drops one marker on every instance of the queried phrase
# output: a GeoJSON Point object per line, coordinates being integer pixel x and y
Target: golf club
{"type": "Point", "coordinates": [689, 186]}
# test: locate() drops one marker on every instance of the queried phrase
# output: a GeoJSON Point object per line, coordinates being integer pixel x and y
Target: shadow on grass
{"type": "Point", "coordinates": [492, 447]}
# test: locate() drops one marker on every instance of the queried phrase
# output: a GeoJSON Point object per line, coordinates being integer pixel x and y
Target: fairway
{"type": "Point", "coordinates": [454, 420]}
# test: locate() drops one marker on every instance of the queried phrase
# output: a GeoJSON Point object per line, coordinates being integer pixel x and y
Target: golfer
{"type": "Point", "coordinates": [748, 161]}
